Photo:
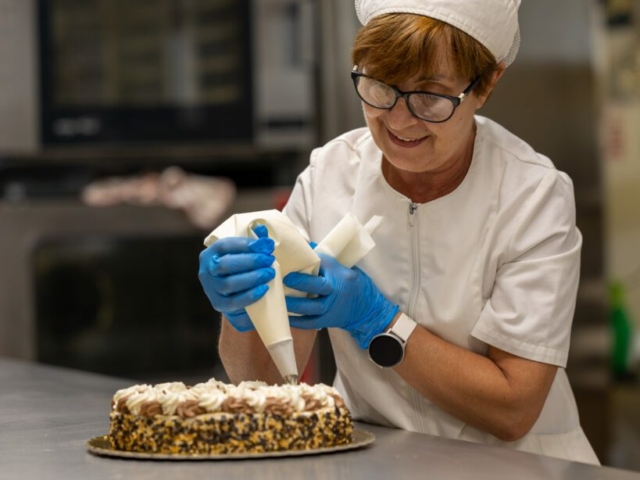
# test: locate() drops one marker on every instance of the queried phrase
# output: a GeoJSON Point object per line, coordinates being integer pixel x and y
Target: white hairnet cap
{"type": "Point", "coordinates": [493, 23]}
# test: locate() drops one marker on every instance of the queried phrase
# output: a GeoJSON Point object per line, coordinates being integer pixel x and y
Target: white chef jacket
{"type": "Point", "coordinates": [495, 262]}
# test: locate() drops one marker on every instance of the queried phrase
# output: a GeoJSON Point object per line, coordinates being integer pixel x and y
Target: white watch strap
{"type": "Point", "coordinates": [403, 327]}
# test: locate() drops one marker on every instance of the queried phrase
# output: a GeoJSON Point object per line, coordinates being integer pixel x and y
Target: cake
{"type": "Point", "coordinates": [218, 418]}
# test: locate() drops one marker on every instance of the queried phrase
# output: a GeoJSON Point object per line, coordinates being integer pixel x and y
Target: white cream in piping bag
{"type": "Point", "coordinates": [269, 316]}
{"type": "Point", "coordinates": [348, 242]}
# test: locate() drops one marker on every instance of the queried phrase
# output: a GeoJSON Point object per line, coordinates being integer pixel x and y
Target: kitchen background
{"type": "Point", "coordinates": [129, 130]}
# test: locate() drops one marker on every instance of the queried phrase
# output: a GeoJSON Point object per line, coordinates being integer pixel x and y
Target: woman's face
{"type": "Point", "coordinates": [414, 145]}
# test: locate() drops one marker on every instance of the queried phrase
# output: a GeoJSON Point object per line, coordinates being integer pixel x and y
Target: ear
{"type": "Point", "coordinates": [482, 99]}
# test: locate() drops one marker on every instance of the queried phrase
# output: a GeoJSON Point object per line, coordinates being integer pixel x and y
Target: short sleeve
{"type": "Point", "coordinates": [531, 307]}
{"type": "Point", "coordinates": [299, 205]}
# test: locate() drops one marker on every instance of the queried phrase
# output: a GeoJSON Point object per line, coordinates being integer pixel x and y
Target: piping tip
{"type": "Point", "coordinates": [291, 379]}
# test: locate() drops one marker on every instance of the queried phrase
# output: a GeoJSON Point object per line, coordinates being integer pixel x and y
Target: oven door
{"type": "Point", "coordinates": [124, 305]}
{"type": "Point", "coordinates": [159, 70]}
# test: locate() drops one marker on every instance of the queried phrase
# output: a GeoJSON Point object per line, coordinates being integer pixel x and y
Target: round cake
{"type": "Point", "coordinates": [218, 418]}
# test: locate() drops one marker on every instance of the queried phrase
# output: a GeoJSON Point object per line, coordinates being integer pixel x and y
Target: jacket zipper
{"type": "Point", "coordinates": [415, 258]}
{"type": "Point", "coordinates": [413, 298]}
{"type": "Point", "coordinates": [412, 210]}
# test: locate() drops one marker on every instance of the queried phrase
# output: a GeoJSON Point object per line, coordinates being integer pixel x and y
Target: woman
{"type": "Point", "coordinates": [468, 297]}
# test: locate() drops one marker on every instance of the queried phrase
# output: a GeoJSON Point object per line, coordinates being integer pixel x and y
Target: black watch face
{"type": "Point", "coordinates": [386, 350]}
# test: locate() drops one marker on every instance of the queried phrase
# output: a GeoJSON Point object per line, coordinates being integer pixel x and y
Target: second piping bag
{"type": "Point", "coordinates": [349, 240]}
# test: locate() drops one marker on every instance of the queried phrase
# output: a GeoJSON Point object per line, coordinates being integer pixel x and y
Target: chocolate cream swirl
{"type": "Point", "coordinates": [217, 397]}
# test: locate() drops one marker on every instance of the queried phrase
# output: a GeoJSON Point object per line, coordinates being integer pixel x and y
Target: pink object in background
{"type": "Point", "coordinates": [203, 199]}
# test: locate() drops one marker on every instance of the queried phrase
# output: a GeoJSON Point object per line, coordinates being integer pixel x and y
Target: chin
{"type": "Point", "coordinates": [416, 164]}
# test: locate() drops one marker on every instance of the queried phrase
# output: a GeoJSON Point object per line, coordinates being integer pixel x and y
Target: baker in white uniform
{"type": "Point", "coordinates": [458, 322]}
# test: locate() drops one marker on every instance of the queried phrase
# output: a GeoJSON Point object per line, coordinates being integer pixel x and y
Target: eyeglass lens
{"type": "Point", "coordinates": [422, 105]}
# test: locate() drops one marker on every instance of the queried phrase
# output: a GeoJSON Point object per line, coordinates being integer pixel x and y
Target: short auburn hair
{"type": "Point", "coordinates": [398, 46]}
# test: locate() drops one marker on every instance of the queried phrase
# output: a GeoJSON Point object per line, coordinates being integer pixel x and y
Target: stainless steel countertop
{"type": "Point", "coordinates": [47, 414]}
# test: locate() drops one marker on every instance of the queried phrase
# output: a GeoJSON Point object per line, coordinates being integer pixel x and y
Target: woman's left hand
{"type": "Point", "coordinates": [346, 298]}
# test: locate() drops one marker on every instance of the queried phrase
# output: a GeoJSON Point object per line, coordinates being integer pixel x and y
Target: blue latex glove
{"type": "Point", "coordinates": [234, 272]}
{"type": "Point", "coordinates": [346, 298]}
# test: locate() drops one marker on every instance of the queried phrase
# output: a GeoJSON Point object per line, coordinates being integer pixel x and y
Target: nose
{"type": "Point", "coordinates": [400, 116]}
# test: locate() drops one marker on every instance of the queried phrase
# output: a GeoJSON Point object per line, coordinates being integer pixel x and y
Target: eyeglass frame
{"type": "Point", "coordinates": [456, 101]}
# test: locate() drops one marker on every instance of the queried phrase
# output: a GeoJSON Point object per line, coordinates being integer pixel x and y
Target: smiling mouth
{"type": "Point", "coordinates": [408, 141]}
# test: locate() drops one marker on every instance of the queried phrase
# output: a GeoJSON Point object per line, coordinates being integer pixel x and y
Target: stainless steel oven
{"type": "Point", "coordinates": [111, 290]}
{"type": "Point", "coordinates": [113, 72]}
{"type": "Point", "coordinates": [122, 304]}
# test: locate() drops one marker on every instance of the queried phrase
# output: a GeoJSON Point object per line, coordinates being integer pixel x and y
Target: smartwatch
{"type": "Point", "coordinates": [387, 349]}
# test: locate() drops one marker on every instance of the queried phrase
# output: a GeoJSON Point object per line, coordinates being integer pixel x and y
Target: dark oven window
{"type": "Point", "coordinates": [145, 70]}
{"type": "Point", "coordinates": [131, 307]}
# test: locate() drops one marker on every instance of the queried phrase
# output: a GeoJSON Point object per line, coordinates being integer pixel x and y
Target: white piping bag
{"type": "Point", "coordinates": [348, 242]}
{"type": "Point", "coordinates": [269, 314]}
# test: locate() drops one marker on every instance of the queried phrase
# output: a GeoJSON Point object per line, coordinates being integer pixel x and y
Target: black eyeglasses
{"type": "Point", "coordinates": [428, 106]}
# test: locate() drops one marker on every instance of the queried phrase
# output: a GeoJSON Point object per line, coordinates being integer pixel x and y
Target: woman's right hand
{"type": "Point", "coordinates": [234, 272]}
